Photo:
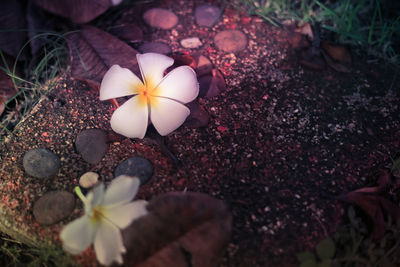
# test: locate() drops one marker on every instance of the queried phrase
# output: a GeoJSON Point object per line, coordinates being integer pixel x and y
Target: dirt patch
{"type": "Point", "coordinates": [282, 141]}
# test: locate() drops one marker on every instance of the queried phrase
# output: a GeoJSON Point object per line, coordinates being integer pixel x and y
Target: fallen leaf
{"type": "Point", "coordinates": [181, 60]}
{"type": "Point", "coordinates": [296, 40]}
{"type": "Point", "coordinates": [390, 208]}
{"type": "Point", "coordinates": [339, 67]}
{"type": "Point", "coordinates": [374, 204]}
{"type": "Point", "coordinates": [78, 11]}
{"type": "Point", "coordinates": [181, 229]}
{"type": "Point", "coordinates": [198, 117]}
{"type": "Point", "coordinates": [338, 53]}
{"type": "Point", "coordinates": [128, 32]}
{"type": "Point", "coordinates": [311, 58]}
{"type": "Point", "coordinates": [7, 87]}
{"type": "Point", "coordinates": [94, 51]}
{"type": "Point", "coordinates": [38, 21]}
{"type": "Point", "coordinates": [212, 84]}
{"type": "Point", "coordinates": [13, 26]}
{"type": "Point", "coordinates": [202, 65]}
{"type": "Point", "coordinates": [306, 30]}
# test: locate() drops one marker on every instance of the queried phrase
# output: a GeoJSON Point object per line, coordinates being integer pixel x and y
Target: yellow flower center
{"type": "Point", "coordinates": [97, 214]}
{"type": "Point", "coordinates": [147, 93]}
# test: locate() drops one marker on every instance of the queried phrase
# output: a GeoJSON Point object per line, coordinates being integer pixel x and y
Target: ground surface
{"type": "Point", "coordinates": [281, 142]}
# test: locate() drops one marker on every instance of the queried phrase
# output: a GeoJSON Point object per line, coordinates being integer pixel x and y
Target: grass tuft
{"type": "Point", "coordinates": [36, 77]}
{"type": "Point", "coordinates": [15, 254]}
{"type": "Point", "coordinates": [365, 23]}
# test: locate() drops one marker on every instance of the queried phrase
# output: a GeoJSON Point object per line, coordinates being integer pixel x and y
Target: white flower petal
{"type": "Point", "coordinates": [118, 82]}
{"type": "Point", "coordinates": [167, 115]}
{"type": "Point", "coordinates": [152, 66]}
{"type": "Point", "coordinates": [94, 197]}
{"type": "Point", "coordinates": [131, 118]}
{"type": "Point", "coordinates": [121, 190]}
{"type": "Point", "coordinates": [180, 84]}
{"type": "Point", "coordinates": [123, 215]}
{"type": "Point", "coordinates": [77, 235]}
{"type": "Point", "coordinates": [108, 243]}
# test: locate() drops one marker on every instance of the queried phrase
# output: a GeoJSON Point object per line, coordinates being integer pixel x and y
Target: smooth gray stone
{"type": "Point", "coordinates": [41, 163]}
{"type": "Point", "coordinates": [135, 166]}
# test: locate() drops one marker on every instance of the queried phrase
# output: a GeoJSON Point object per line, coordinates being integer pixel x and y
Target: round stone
{"type": "Point", "coordinates": [230, 40]}
{"type": "Point", "coordinates": [192, 42]}
{"type": "Point", "coordinates": [207, 15]}
{"type": "Point", "coordinates": [89, 179]}
{"type": "Point", "coordinates": [160, 18]}
{"type": "Point", "coordinates": [154, 47]}
{"type": "Point", "coordinates": [53, 206]}
{"type": "Point", "coordinates": [135, 166]}
{"type": "Point", "coordinates": [41, 163]}
{"type": "Point", "coordinates": [92, 145]}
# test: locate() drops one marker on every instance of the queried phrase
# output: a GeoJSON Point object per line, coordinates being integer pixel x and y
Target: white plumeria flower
{"type": "Point", "coordinates": [158, 97]}
{"type": "Point", "coordinates": [106, 213]}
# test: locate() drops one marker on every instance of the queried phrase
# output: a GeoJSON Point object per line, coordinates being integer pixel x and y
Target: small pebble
{"type": "Point", "coordinates": [92, 145]}
{"type": "Point", "coordinates": [192, 42]}
{"type": "Point", "coordinates": [135, 166]}
{"type": "Point", "coordinates": [207, 15]}
{"type": "Point", "coordinates": [230, 40]}
{"type": "Point", "coordinates": [160, 18]}
{"type": "Point", "coordinates": [41, 163]}
{"type": "Point", "coordinates": [53, 206]}
{"type": "Point", "coordinates": [89, 179]}
{"type": "Point", "coordinates": [160, 48]}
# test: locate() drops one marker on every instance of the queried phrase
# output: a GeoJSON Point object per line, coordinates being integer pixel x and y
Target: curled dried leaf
{"type": "Point", "coordinates": [212, 84]}
{"type": "Point", "coordinates": [181, 229]}
{"type": "Point", "coordinates": [78, 11]}
{"type": "Point", "coordinates": [94, 51]}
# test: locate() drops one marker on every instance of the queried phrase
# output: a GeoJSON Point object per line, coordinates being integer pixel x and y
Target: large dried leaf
{"type": "Point", "coordinates": [127, 32]}
{"type": "Point", "coordinates": [13, 33]}
{"type": "Point", "coordinates": [211, 84]}
{"type": "Point", "coordinates": [374, 204]}
{"type": "Point", "coordinates": [181, 229]}
{"type": "Point", "coordinates": [78, 11]}
{"type": "Point", "coordinates": [198, 117]}
{"type": "Point", "coordinates": [94, 51]}
{"type": "Point", "coordinates": [7, 88]}
{"type": "Point", "coordinates": [38, 21]}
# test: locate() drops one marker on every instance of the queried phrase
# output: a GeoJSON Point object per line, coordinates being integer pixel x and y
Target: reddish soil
{"type": "Point", "coordinates": [281, 143]}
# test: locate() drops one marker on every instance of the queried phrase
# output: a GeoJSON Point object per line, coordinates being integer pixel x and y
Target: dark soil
{"type": "Point", "coordinates": [281, 143]}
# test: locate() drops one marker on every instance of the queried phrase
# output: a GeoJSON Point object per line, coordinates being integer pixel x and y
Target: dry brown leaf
{"type": "Point", "coordinates": [306, 30]}
{"type": "Point", "coordinates": [338, 53]}
{"type": "Point", "coordinates": [181, 229]}
{"type": "Point", "coordinates": [94, 51]}
{"type": "Point", "coordinates": [78, 11]}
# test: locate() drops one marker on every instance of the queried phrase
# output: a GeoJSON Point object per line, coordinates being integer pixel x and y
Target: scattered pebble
{"type": "Point", "coordinates": [53, 207]}
{"type": "Point", "coordinates": [160, 18]}
{"type": "Point", "coordinates": [135, 166]}
{"type": "Point", "coordinates": [207, 15]}
{"type": "Point", "coordinates": [41, 163]}
{"type": "Point", "coordinates": [92, 145]}
{"type": "Point", "coordinates": [89, 179]}
{"type": "Point", "coordinates": [230, 40]}
{"type": "Point", "coordinates": [160, 48]}
{"type": "Point", "coordinates": [191, 42]}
